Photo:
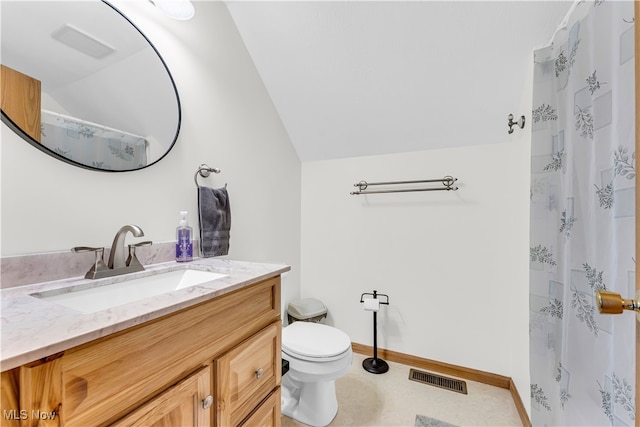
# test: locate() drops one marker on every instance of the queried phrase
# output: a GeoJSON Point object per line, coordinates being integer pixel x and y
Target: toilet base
{"type": "Point", "coordinates": [312, 403]}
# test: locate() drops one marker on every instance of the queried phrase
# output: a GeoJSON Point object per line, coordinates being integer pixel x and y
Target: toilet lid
{"type": "Point", "coordinates": [314, 340]}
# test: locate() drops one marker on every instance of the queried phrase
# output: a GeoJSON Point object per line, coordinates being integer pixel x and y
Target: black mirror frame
{"type": "Point", "coordinates": [13, 126]}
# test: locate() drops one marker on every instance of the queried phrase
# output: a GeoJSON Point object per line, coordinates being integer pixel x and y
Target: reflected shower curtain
{"type": "Point", "coordinates": [583, 168]}
{"type": "Point", "coordinates": [92, 144]}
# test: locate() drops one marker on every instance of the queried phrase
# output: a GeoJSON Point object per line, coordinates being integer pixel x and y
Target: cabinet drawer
{"type": "Point", "coordinates": [267, 414]}
{"type": "Point", "coordinates": [247, 374]}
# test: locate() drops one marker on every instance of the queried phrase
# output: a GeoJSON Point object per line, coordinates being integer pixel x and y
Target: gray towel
{"type": "Point", "coordinates": [215, 221]}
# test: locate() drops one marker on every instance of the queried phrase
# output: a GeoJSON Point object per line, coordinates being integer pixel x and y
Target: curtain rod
{"type": "Point", "coordinates": [565, 20]}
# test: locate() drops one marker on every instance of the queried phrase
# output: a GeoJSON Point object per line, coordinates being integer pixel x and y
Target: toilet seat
{"type": "Point", "coordinates": [314, 341]}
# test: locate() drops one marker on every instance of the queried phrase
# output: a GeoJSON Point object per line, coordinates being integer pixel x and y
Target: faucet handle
{"type": "Point", "coordinates": [145, 243]}
{"type": "Point", "coordinates": [98, 264]}
{"type": "Point", "coordinates": [78, 249]}
{"type": "Point", "coordinates": [132, 260]}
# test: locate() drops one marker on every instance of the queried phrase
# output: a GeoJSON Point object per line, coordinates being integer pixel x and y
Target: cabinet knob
{"type": "Point", "coordinates": [259, 373]}
{"type": "Point", "coordinates": [207, 402]}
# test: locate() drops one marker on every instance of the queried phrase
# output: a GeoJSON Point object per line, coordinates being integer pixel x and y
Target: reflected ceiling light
{"type": "Point", "coordinates": [176, 9]}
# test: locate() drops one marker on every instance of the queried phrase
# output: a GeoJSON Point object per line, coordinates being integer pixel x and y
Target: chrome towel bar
{"type": "Point", "coordinates": [447, 182]}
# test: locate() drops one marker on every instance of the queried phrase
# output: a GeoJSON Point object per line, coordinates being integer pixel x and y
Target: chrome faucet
{"type": "Point", "coordinates": [120, 262]}
{"type": "Point", "coordinates": [117, 256]}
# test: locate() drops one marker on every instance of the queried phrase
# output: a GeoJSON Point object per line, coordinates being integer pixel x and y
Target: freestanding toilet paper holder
{"type": "Point", "coordinates": [374, 364]}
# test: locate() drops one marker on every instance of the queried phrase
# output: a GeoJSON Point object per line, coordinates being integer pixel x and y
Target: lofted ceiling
{"type": "Point", "coordinates": [355, 78]}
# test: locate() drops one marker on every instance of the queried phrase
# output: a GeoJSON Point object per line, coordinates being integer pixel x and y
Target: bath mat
{"type": "Point", "coordinates": [424, 421]}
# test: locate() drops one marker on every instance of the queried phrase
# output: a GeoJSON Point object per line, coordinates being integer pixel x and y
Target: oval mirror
{"type": "Point", "coordinates": [83, 84]}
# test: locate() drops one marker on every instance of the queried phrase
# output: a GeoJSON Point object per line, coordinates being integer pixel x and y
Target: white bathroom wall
{"type": "Point", "coordinates": [228, 121]}
{"type": "Point", "coordinates": [454, 264]}
{"type": "Point", "coordinates": [114, 84]}
{"type": "Point", "coordinates": [518, 320]}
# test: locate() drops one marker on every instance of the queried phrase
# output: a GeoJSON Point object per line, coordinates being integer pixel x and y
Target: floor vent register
{"type": "Point", "coordinates": [438, 381]}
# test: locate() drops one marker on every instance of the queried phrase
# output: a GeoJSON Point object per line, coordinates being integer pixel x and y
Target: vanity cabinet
{"type": "Point", "coordinates": [217, 363]}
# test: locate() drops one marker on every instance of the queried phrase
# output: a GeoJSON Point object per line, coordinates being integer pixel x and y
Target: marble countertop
{"type": "Point", "coordinates": [32, 328]}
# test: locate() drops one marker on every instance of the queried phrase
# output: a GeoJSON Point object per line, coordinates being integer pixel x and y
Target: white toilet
{"type": "Point", "coordinates": [318, 354]}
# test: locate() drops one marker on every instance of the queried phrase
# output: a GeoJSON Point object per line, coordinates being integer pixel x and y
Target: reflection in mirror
{"type": "Point", "coordinates": [83, 84]}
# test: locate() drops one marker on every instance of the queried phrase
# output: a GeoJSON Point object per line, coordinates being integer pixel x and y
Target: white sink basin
{"type": "Point", "coordinates": [91, 300]}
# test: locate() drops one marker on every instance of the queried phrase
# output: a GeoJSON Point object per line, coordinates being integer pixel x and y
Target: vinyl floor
{"type": "Point", "coordinates": [391, 399]}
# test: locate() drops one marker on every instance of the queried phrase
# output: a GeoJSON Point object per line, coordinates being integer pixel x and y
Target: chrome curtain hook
{"type": "Point", "coordinates": [511, 123]}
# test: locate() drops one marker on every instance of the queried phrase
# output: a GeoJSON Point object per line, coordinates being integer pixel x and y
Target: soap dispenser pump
{"type": "Point", "coordinates": [184, 246]}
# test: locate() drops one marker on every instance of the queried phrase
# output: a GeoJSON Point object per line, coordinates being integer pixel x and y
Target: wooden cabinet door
{"type": "Point", "coordinates": [20, 100]}
{"type": "Point", "coordinates": [32, 395]}
{"type": "Point", "coordinates": [247, 374]}
{"type": "Point", "coordinates": [181, 405]}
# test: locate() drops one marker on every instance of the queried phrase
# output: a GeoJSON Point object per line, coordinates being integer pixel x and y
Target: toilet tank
{"type": "Point", "coordinates": [306, 310]}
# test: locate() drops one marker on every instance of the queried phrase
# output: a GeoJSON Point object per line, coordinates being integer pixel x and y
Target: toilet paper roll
{"type": "Point", "coordinates": [371, 304]}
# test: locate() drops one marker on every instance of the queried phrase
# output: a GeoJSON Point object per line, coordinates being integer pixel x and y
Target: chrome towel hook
{"type": "Point", "coordinates": [204, 171]}
{"type": "Point", "coordinates": [511, 123]}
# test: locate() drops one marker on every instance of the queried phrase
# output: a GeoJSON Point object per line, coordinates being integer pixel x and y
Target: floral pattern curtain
{"type": "Point", "coordinates": [582, 238]}
{"type": "Point", "coordinates": [92, 144]}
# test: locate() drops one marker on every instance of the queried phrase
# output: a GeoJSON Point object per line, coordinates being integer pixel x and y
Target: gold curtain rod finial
{"type": "Point", "coordinates": [612, 303]}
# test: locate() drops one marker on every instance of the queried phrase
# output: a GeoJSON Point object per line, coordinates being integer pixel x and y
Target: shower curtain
{"type": "Point", "coordinates": [583, 169]}
{"type": "Point", "coordinates": [92, 144]}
